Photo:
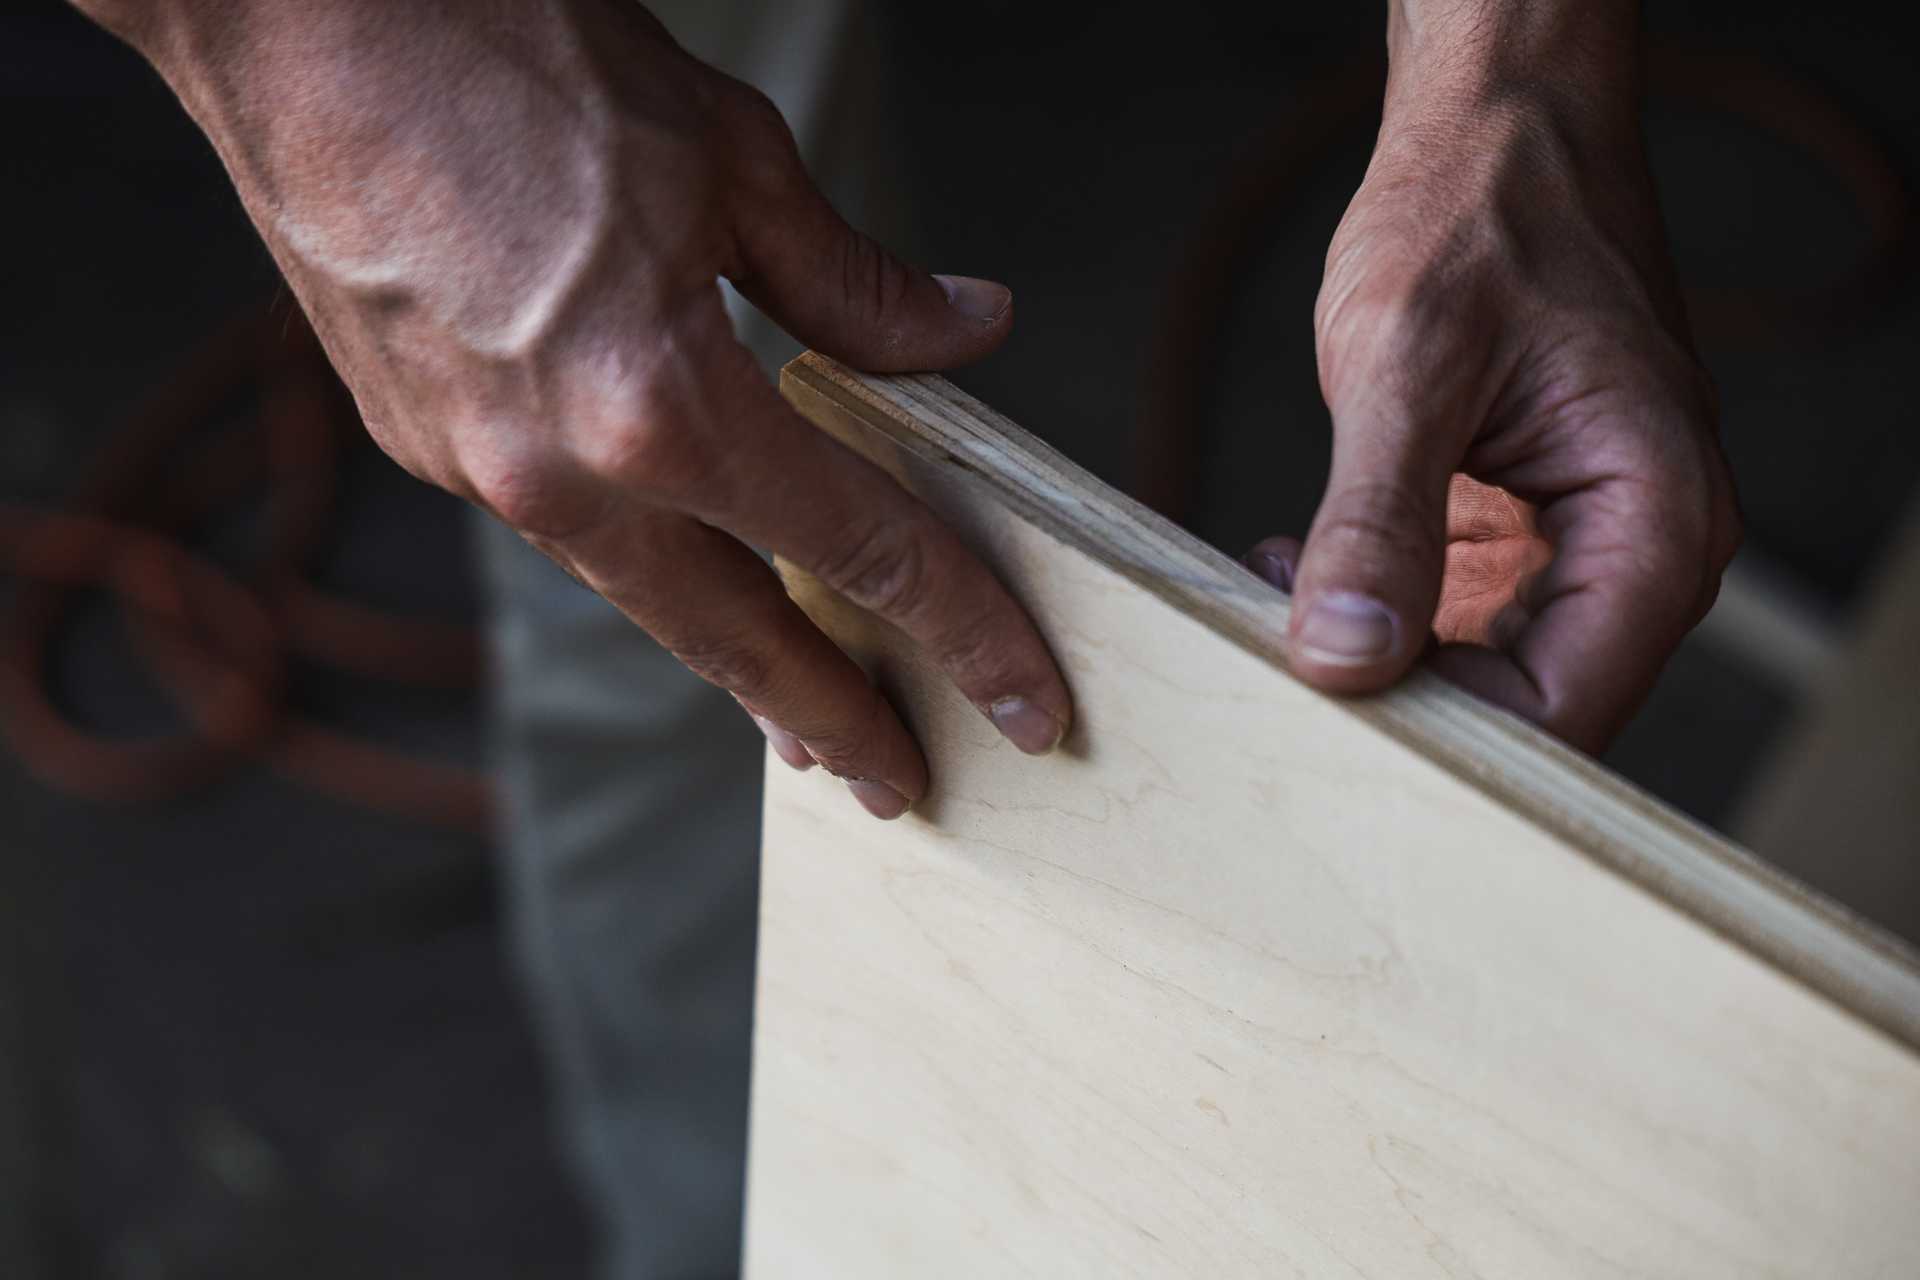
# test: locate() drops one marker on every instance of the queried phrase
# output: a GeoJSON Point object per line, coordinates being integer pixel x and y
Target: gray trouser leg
{"type": "Point", "coordinates": [633, 804]}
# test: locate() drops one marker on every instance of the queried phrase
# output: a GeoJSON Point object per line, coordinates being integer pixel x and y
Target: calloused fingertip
{"type": "Point", "coordinates": [985, 302]}
{"type": "Point", "coordinates": [1344, 647]}
{"type": "Point", "coordinates": [877, 798]}
{"type": "Point", "coordinates": [1027, 725]}
{"type": "Point", "coordinates": [1346, 629]}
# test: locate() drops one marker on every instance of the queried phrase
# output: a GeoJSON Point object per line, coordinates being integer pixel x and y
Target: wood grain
{"type": "Point", "coordinates": [1249, 982]}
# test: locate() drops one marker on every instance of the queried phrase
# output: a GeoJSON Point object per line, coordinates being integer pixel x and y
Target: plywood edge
{"type": "Point", "coordinates": [1862, 969]}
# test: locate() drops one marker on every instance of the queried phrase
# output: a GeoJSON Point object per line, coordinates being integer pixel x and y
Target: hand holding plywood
{"type": "Point", "coordinates": [1249, 982]}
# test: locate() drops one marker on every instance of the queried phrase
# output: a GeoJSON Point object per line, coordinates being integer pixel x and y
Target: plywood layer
{"type": "Point", "coordinates": [1250, 982]}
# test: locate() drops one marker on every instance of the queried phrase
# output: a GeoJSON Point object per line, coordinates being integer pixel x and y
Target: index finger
{"type": "Point", "coordinates": [795, 490]}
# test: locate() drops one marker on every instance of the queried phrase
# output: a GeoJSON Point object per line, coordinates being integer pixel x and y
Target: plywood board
{"type": "Point", "coordinates": [1246, 981]}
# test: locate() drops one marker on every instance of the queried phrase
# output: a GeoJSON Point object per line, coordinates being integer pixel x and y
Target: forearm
{"type": "Point", "coordinates": [250, 69]}
{"type": "Point", "coordinates": [454, 163]}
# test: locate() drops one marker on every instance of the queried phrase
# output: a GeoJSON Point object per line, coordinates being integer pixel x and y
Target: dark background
{"type": "Point", "coordinates": [252, 1030]}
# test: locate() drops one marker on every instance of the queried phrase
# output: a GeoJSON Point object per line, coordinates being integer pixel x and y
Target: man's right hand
{"type": "Point", "coordinates": [508, 220]}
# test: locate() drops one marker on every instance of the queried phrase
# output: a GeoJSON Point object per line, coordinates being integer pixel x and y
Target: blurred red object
{"type": "Point", "coordinates": [218, 641]}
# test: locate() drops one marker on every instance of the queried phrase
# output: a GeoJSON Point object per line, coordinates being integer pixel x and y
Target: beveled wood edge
{"type": "Point", "coordinates": [1855, 964]}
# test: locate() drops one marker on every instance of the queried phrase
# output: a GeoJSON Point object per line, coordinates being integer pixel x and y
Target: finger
{"type": "Point", "coordinates": [1626, 582]}
{"type": "Point", "coordinates": [1493, 545]}
{"type": "Point", "coordinates": [1368, 579]}
{"type": "Point", "coordinates": [841, 292]}
{"type": "Point", "coordinates": [723, 612]}
{"type": "Point", "coordinates": [795, 490]}
{"type": "Point", "coordinates": [1276, 560]}
{"type": "Point", "coordinates": [789, 748]}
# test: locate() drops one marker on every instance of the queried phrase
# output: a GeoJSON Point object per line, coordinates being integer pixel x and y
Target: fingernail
{"type": "Point", "coordinates": [981, 300]}
{"type": "Point", "coordinates": [784, 744]}
{"type": "Point", "coordinates": [1026, 726]}
{"type": "Point", "coordinates": [1275, 569]}
{"type": "Point", "coordinates": [1343, 628]}
{"type": "Point", "coordinates": [877, 798]}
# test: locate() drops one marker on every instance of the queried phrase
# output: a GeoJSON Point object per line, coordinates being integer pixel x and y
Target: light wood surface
{"type": "Point", "coordinates": [1248, 982]}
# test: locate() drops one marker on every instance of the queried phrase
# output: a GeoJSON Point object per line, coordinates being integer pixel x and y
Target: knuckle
{"type": "Point", "coordinates": [1366, 333]}
{"type": "Point", "coordinates": [754, 113]}
{"type": "Point", "coordinates": [1355, 344]}
{"type": "Point", "coordinates": [1382, 516]}
{"type": "Point", "coordinates": [734, 663]}
{"type": "Point", "coordinates": [1704, 600]}
{"type": "Point", "coordinates": [526, 485]}
{"type": "Point", "coordinates": [1724, 536]}
{"type": "Point", "coordinates": [873, 283]}
{"type": "Point", "coordinates": [759, 143]}
{"type": "Point", "coordinates": [1729, 526]}
{"type": "Point", "coordinates": [641, 444]}
{"type": "Point", "coordinates": [840, 749]}
{"type": "Point", "coordinates": [845, 746]}
{"type": "Point", "coordinates": [977, 653]}
{"type": "Point", "coordinates": [883, 569]}
{"type": "Point", "coordinates": [1698, 523]}
{"type": "Point", "coordinates": [1729, 532]}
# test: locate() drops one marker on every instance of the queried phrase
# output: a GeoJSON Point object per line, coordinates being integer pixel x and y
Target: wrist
{"type": "Point", "coordinates": [1571, 63]}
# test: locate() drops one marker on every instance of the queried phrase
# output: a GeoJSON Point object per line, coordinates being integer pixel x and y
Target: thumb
{"type": "Point", "coordinates": [1369, 576]}
{"type": "Point", "coordinates": [843, 293]}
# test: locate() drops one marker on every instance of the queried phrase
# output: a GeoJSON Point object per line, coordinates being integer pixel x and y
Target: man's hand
{"type": "Point", "coordinates": [508, 220]}
{"type": "Point", "coordinates": [1525, 462]}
